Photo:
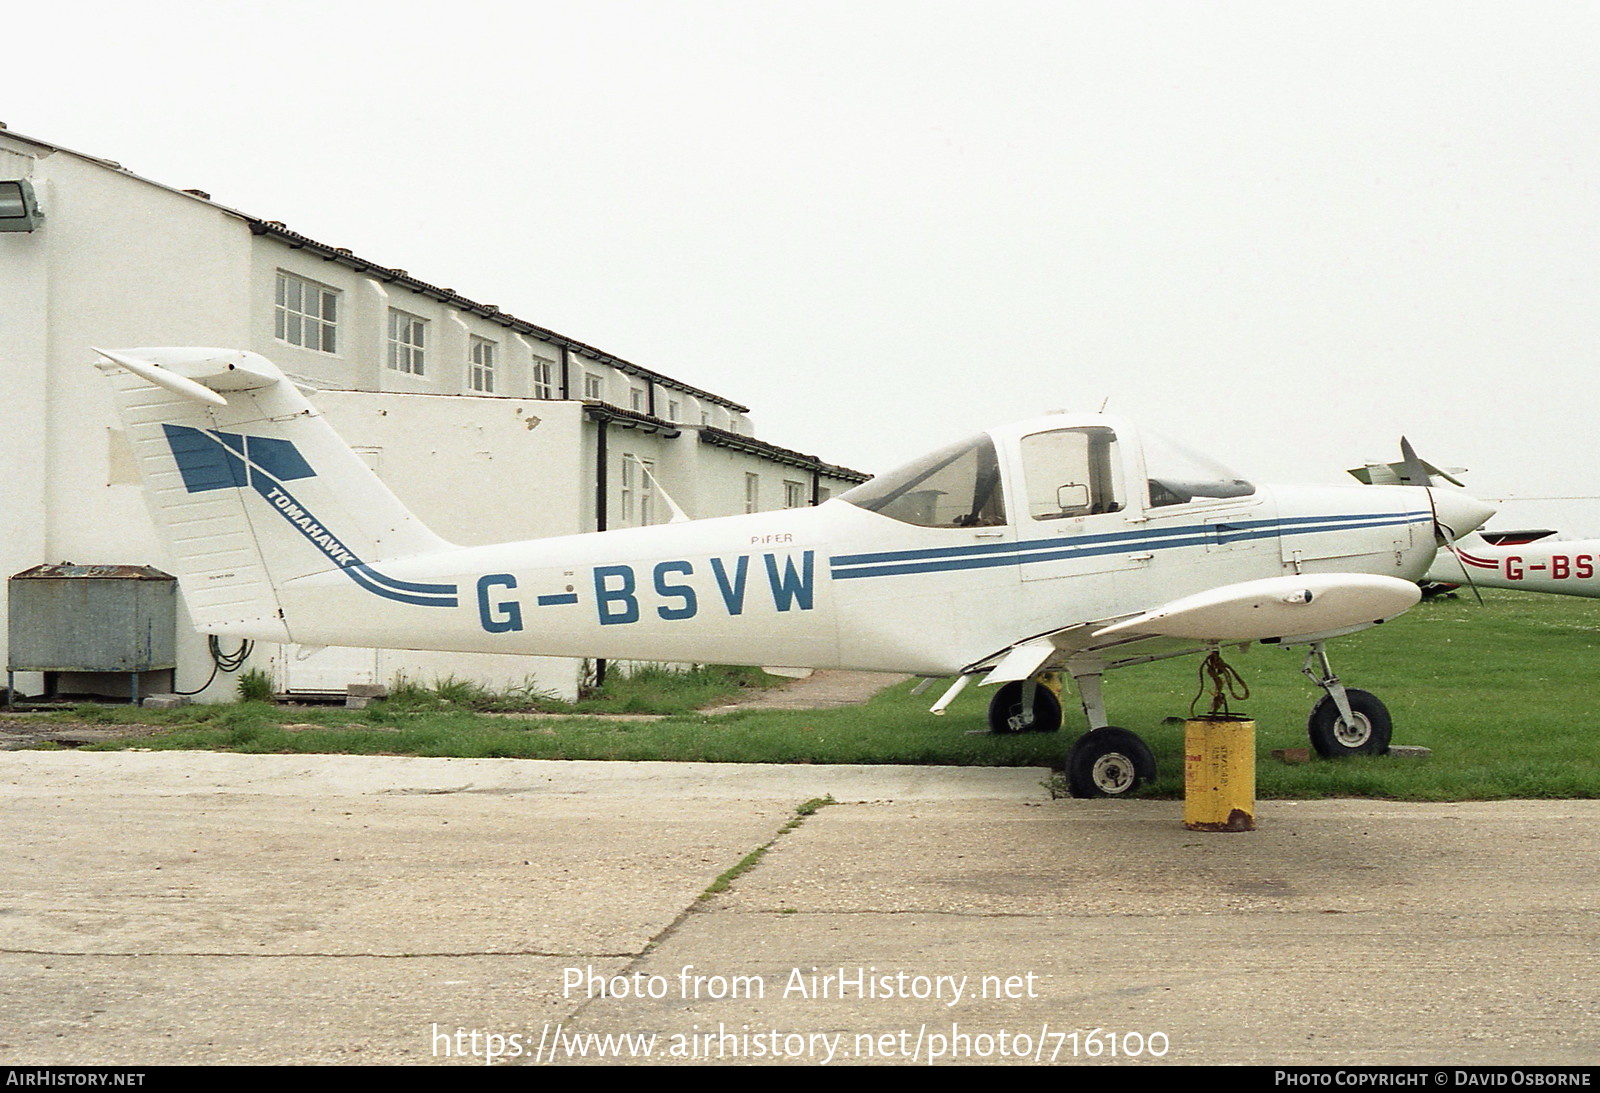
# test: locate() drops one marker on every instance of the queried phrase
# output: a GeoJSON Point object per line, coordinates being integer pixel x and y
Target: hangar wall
{"type": "Point", "coordinates": [486, 424]}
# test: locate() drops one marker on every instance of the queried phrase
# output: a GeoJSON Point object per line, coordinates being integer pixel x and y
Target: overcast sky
{"type": "Point", "coordinates": [1284, 232]}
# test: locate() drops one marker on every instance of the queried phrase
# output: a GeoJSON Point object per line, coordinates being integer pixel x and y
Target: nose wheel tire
{"type": "Point", "coordinates": [1109, 762]}
{"type": "Point", "coordinates": [1366, 734]}
{"type": "Point", "coordinates": [1005, 710]}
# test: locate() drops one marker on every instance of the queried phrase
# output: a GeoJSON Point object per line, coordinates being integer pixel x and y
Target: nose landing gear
{"type": "Point", "coordinates": [1345, 721]}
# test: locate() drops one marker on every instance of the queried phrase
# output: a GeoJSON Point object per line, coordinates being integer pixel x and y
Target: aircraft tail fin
{"type": "Point", "coordinates": [251, 488]}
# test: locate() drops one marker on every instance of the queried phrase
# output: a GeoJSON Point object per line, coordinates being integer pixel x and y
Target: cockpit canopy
{"type": "Point", "coordinates": [1064, 472]}
{"type": "Point", "coordinates": [957, 486]}
{"type": "Point", "coordinates": [1178, 475]}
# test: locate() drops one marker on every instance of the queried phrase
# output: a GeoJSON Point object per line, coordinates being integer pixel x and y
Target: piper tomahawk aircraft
{"type": "Point", "coordinates": [1526, 560]}
{"type": "Point", "coordinates": [1570, 567]}
{"type": "Point", "coordinates": [1067, 544]}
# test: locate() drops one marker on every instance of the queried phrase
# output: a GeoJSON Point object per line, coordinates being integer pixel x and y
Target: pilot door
{"type": "Point", "coordinates": [1073, 524]}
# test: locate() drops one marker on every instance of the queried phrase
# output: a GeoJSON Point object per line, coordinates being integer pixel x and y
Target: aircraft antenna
{"type": "Point", "coordinates": [678, 515]}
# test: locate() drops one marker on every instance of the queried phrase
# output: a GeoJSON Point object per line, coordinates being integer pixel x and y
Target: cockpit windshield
{"type": "Point", "coordinates": [1178, 475]}
{"type": "Point", "coordinates": [954, 487]}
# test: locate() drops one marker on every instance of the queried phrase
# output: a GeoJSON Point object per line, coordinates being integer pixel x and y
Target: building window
{"type": "Point", "coordinates": [793, 495]}
{"type": "Point", "coordinates": [647, 493]}
{"type": "Point", "coordinates": [482, 378]}
{"type": "Point", "coordinates": [630, 487]}
{"type": "Point", "coordinates": [408, 340]}
{"type": "Point", "coordinates": [674, 410]}
{"type": "Point", "coordinates": [637, 399]}
{"type": "Point", "coordinates": [591, 385]}
{"type": "Point", "coordinates": [306, 313]}
{"type": "Point", "coordinates": [705, 417]}
{"type": "Point", "coordinates": [544, 384]}
{"type": "Point", "coordinates": [638, 491]}
{"type": "Point", "coordinates": [752, 492]}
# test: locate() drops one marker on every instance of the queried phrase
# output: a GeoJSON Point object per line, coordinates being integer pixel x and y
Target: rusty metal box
{"type": "Point", "coordinates": [92, 618]}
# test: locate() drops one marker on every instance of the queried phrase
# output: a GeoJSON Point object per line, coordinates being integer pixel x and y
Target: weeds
{"type": "Point", "coordinates": [255, 685]}
{"type": "Point", "coordinates": [748, 862]}
{"type": "Point", "coordinates": [647, 689]}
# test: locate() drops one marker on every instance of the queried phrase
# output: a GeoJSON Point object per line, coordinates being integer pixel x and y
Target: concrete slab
{"type": "Point", "coordinates": [821, 690]}
{"type": "Point", "coordinates": [191, 907]}
{"type": "Point", "coordinates": [1340, 932]}
{"type": "Point", "coordinates": [152, 1009]}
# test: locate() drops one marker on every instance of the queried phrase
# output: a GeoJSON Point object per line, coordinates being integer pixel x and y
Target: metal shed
{"type": "Point", "coordinates": [91, 618]}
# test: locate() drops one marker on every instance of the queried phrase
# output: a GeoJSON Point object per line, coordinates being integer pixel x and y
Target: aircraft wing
{"type": "Point", "coordinates": [1289, 610]}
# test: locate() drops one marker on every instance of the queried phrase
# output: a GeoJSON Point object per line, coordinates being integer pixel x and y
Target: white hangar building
{"type": "Point", "coordinates": [458, 405]}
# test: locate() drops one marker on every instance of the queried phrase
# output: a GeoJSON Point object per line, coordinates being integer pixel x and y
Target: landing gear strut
{"type": "Point", "coordinates": [1105, 761]}
{"type": "Point", "coordinates": [1344, 721]}
{"type": "Point", "coordinates": [1028, 705]}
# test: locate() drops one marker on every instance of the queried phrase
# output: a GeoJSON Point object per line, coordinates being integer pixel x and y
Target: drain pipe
{"type": "Point", "coordinates": [600, 518]}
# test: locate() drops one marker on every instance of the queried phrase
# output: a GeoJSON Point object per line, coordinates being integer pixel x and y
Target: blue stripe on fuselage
{"type": "Point", "coordinates": [989, 555]}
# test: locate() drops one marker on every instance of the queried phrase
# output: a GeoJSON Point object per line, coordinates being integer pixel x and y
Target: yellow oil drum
{"type": "Point", "coordinates": [1219, 773]}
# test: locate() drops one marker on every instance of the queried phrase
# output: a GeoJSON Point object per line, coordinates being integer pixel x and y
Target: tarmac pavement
{"type": "Point", "coordinates": [186, 907]}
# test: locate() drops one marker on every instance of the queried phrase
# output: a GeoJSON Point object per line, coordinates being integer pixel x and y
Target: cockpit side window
{"type": "Point", "coordinates": [1072, 472]}
{"type": "Point", "coordinates": [1178, 475]}
{"type": "Point", "coordinates": [955, 487]}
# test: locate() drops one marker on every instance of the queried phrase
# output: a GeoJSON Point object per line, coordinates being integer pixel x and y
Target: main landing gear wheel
{"type": "Point", "coordinates": [1109, 762]}
{"type": "Point", "coordinates": [1005, 710]}
{"type": "Point", "coordinates": [1333, 737]}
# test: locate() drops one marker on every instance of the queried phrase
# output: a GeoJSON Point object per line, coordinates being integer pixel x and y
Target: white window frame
{"type": "Point", "coordinates": [408, 342]}
{"type": "Point", "coordinates": [752, 492]}
{"type": "Point", "coordinates": [638, 399]}
{"type": "Point", "coordinates": [593, 387]}
{"type": "Point", "coordinates": [297, 322]}
{"type": "Point", "coordinates": [674, 410]}
{"type": "Point", "coordinates": [630, 478]}
{"type": "Point", "coordinates": [482, 356]}
{"type": "Point", "coordinates": [647, 493]}
{"type": "Point", "coordinates": [544, 371]}
{"type": "Point", "coordinates": [794, 494]}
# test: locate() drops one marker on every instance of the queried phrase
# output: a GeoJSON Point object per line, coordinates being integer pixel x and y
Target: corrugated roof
{"type": "Point", "coordinates": [721, 438]}
{"type": "Point", "coordinates": [53, 571]}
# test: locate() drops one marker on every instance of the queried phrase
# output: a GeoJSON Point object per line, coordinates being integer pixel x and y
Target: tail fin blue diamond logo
{"type": "Point", "coordinates": [214, 460]}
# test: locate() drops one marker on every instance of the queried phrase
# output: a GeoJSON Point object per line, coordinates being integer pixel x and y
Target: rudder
{"type": "Point", "coordinates": [253, 489]}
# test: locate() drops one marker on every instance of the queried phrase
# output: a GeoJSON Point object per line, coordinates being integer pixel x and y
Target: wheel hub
{"type": "Point", "coordinates": [1113, 774]}
{"type": "Point", "coordinates": [1354, 733]}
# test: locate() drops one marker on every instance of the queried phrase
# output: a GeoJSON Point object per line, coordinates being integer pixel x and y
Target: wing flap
{"type": "Point", "coordinates": [1022, 661]}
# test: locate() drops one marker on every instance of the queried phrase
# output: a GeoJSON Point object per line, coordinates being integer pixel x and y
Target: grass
{"type": "Point", "coordinates": [648, 689]}
{"type": "Point", "coordinates": [748, 862]}
{"type": "Point", "coordinates": [1502, 694]}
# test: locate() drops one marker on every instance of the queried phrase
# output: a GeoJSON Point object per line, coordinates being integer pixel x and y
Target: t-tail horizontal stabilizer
{"type": "Point", "coordinates": [253, 490]}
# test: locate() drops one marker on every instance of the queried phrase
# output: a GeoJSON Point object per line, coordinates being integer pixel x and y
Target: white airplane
{"type": "Point", "coordinates": [1570, 567]}
{"type": "Point", "coordinates": [1530, 560]}
{"type": "Point", "coordinates": [1067, 544]}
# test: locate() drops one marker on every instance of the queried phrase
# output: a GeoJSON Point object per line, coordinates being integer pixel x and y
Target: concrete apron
{"type": "Point", "coordinates": [203, 908]}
